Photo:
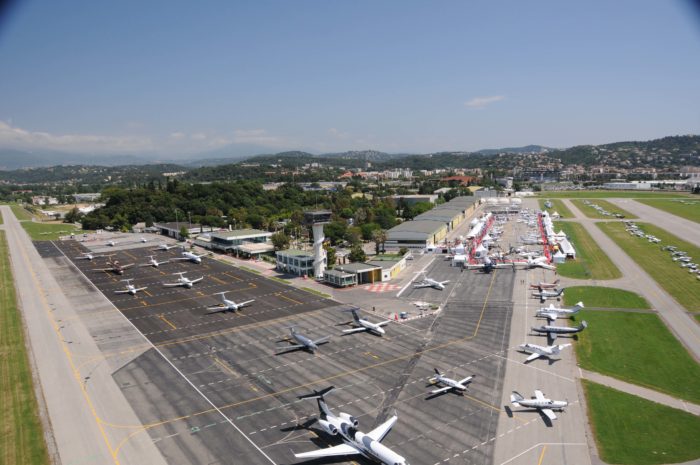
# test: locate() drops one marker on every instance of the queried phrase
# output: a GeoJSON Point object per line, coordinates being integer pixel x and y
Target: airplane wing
{"type": "Point", "coordinates": [145, 264]}
{"type": "Point", "coordinates": [197, 280]}
{"type": "Point", "coordinates": [104, 269]}
{"type": "Point", "coordinates": [546, 266]}
{"type": "Point", "coordinates": [474, 267]}
{"type": "Point", "coordinates": [244, 303]}
{"type": "Point", "coordinates": [465, 380]}
{"type": "Point", "coordinates": [384, 323]}
{"type": "Point", "coordinates": [382, 430]}
{"type": "Point", "coordinates": [444, 282]}
{"type": "Point", "coordinates": [141, 289]}
{"type": "Point", "coordinates": [290, 347]}
{"type": "Point", "coordinates": [180, 258]}
{"type": "Point", "coordinates": [323, 340]}
{"type": "Point", "coordinates": [126, 267]}
{"type": "Point", "coordinates": [172, 284]}
{"type": "Point", "coordinates": [354, 330]}
{"type": "Point", "coordinates": [532, 357]}
{"type": "Point", "coordinates": [551, 337]}
{"type": "Point", "coordinates": [163, 262]}
{"type": "Point", "coordinates": [218, 307]}
{"type": "Point", "coordinates": [420, 285]}
{"type": "Point", "coordinates": [438, 391]}
{"type": "Point", "coordinates": [539, 395]}
{"type": "Point", "coordinates": [550, 414]}
{"type": "Point", "coordinates": [342, 449]}
{"type": "Point", "coordinates": [125, 291]}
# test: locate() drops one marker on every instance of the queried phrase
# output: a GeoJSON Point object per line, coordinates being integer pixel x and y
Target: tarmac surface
{"type": "Point", "coordinates": [210, 389]}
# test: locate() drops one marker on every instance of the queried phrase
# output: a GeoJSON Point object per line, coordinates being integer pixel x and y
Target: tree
{"type": "Point", "coordinates": [403, 251]}
{"type": "Point", "coordinates": [368, 229]}
{"type": "Point", "coordinates": [330, 256]}
{"type": "Point", "coordinates": [335, 231]}
{"type": "Point", "coordinates": [184, 233]}
{"type": "Point", "coordinates": [353, 235]}
{"type": "Point", "coordinates": [379, 238]}
{"type": "Point", "coordinates": [280, 240]}
{"type": "Point", "coordinates": [357, 254]}
{"type": "Point", "coordinates": [72, 216]}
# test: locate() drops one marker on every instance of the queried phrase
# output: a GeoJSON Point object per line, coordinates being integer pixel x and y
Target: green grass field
{"type": "Point", "coordinates": [591, 262]}
{"type": "Point", "coordinates": [630, 430]}
{"type": "Point", "coordinates": [22, 440]}
{"type": "Point", "coordinates": [689, 210]}
{"type": "Point", "coordinates": [48, 231]}
{"type": "Point", "coordinates": [591, 212]}
{"type": "Point", "coordinates": [21, 213]}
{"type": "Point", "coordinates": [604, 297]}
{"type": "Point", "coordinates": [652, 358]}
{"type": "Point", "coordinates": [683, 286]}
{"type": "Point", "coordinates": [557, 206]}
{"type": "Point", "coordinates": [1, 220]}
{"type": "Point", "coordinates": [611, 195]}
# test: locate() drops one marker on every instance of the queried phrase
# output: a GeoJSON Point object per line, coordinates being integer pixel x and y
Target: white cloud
{"type": "Point", "coordinates": [255, 136]}
{"type": "Point", "coordinates": [177, 135]}
{"type": "Point", "coordinates": [338, 134]}
{"type": "Point", "coordinates": [12, 136]}
{"type": "Point", "coordinates": [481, 102]}
{"type": "Point", "coordinates": [198, 136]}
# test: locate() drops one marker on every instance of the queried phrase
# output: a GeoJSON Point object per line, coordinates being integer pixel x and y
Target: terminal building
{"type": "Point", "coordinates": [242, 242]}
{"type": "Point", "coordinates": [296, 262]}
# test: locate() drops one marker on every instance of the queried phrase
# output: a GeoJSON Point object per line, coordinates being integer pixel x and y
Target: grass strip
{"type": "Point", "coordinates": [280, 280]}
{"type": "Point", "coordinates": [21, 438]}
{"type": "Point", "coordinates": [682, 285]}
{"type": "Point", "coordinates": [688, 209]}
{"type": "Point", "coordinates": [20, 212]}
{"type": "Point", "coordinates": [591, 212]}
{"type": "Point", "coordinates": [612, 195]}
{"type": "Point", "coordinates": [653, 358]}
{"type": "Point", "coordinates": [314, 291]}
{"type": "Point", "coordinates": [48, 231]}
{"type": "Point", "coordinates": [604, 297]}
{"type": "Point", "coordinates": [591, 262]}
{"type": "Point", "coordinates": [630, 430]}
{"type": "Point", "coordinates": [251, 270]}
{"type": "Point", "coordinates": [557, 206]}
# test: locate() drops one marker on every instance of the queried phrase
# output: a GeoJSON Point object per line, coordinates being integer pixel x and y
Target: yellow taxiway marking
{"type": "Point", "coordinates": [214, 278]}
{"type": "Point", "coordinates": [181, 299]}
{"type": "Point", "coordinates": [225, 366]}
{"type": "Point", "coordinates": [232, 276]}
{"type": "Point", "coordinates": [144, 303]}
{"type": "Point", "coordinates": [539, 462]}
{"type": "Point", "coordinates": [200, 293]}
{"type": "Point", "coordinates": [253, 285]}
{"type": "Point", "coordinates": [162, 317]}
{"type": "Point", "coordinates": [279, 294]}
{"type": "Point", "coordinates": [147, 293]}
{"type": "Point", "coordinates": [253, 388]}
{"type": "Point", "coordinates": [370, 354]}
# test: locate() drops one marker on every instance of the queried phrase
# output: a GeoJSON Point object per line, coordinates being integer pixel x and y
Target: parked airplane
{"type": "Point", "coordinates": [130, 288]}
{"type": "Point", "coordinates": [542, 285]}
{"type": "Point", "coordinates": [354, 442]}
{"type": "Point", "coordinates": [165, 246]}
{"type": "Point", "coordinates": [544, 294]}
{"type": "Point", "coordinates": [183, 281]}
{"type": "Point", "coordinates": [553, 331]}
{"type": "Point", "coordinates": [449, 384]}
{"type": "Point", "coordinates": [144, 240]}
{"type": "Point", "coordinates": [88, 256]}
{"type": "Point", "coordinates": [115, 266]}
{"type": "Point", "coordinates": [540, 262]}
{"type": "Point", "coordinates": [227, 305]}
{"type": "Point", "coordinates": [541, 351]}
{"type": "Point", "coordinates": [539, 402]}
{"type": "Point", "coordinates": [487, 265]}
{"type": "Point", "coordinates": [428, 282]}
{"type": "Point", "coordinates": [303, 342]}
{"type": "Point", "coordinates": [552, 313]}
{"type": "Point", "coordinates": [154, 263]}
{"type": "Point", "coordinates": [364, 325]}
{"type": "Point", "coordinates": [193, 257]}
{"type": "Point", "coordinates": [111, 243]}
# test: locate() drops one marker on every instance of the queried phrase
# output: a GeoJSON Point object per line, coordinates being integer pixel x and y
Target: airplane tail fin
{"type": "Point", "coordinates": [583, 325]}
{"type": "Point", "coordinates": [557, 281]}
{"type": "Point", "coordinates": [578, 306]}
{"type": "Point", "coordinates": [437, 372]}
{"type": "Point", "coordinates": [317, 394]}
{"type": "Point", "coordinates": [516, 397]}
{"type": "Point", "coordinates": [355, 316]}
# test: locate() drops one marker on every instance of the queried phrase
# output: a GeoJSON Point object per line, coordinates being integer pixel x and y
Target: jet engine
{"type": "Point", "coordinates": [353, 421]}
{"type": "Point", "coordinates": [328, 428]}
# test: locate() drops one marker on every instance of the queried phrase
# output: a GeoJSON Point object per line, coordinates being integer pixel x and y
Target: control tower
{"type": "Point", "coordinates": [317, 219]}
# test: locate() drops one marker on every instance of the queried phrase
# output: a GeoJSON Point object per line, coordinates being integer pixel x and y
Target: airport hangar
{"type": "Point", "coordinates": [229, 360]}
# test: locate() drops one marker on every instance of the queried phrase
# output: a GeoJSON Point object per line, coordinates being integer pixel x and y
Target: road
{"type": "Point", "coordinates": [685, 229]}
{"type": "Point", "coordinates": [79, 405]}
{"type": "Point", "coordinates": [671, 312]}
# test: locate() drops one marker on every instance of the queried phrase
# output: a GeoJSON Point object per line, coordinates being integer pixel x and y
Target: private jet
{"type": "Point", "coordinates": [552, 312]}
{"type": "Point", "coordinates": [227, 305]}
{"type": "Point", "coordinates": [193, 257]}
{"type": "Point", "coordinates": [183, 281]}
{"type": "Point", "coordinates": [542, 285]}
{"type": "Point", "coordinates": [428, 282]}
{"type": "Point", "coordinates": [541, 351]}
{"type": "Point", "coordinates": [553, 331]}
{"type": "Point", "coordinates": [539, 402]}
{"type": "Point", "coordinates": [449, 384]}
{"type": "Point", "coordinates": [111, 243]}
{"type": "Point", "coordinates": [165, 247]}
{"type": "Point", "coordinates": [364, 325]}
{"type": "Point", "coordinates": [544, 294]}
{"type": "Point", "coordinates": [88, 256]}
{"type": "Point", "coordinates": [487, 265]}
{"type": "Point", "coordinates": [130, 288]}
{"type": "Point", "coordinates": [354, 442]}
{"type": "Point", "coordinates": [115, 266]}
{"type": "Point", "coordinates": [154, 263]}
{"type": "Point", "coordinates": [302, 342]}
{"type": "Point", "coordinates": [540, 262]}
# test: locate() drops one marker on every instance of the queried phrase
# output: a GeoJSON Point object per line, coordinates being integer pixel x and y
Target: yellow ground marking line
{"type": "Point", "coordinates": [148, 293]}
{"type": "Point", "coordinates": [162, 317]}
{"type": "Point", "coordinates": [225, 366]}
{"type": "Point", "coordinates": [326, 379]}
{"type": "Point", "coordinates": [130, 256]}
{"type": "Point", "coordinates": [279, 294]}
{"type": "Point", "coordinates": [144, 303]}
{"type": "Point", "coordinates": [214, 278]}
{"type": "Point", "coordinates": [539, 462]}
{"type": "Point", "coordinates": [181, 299]}
{"type": "Point", "coordinates": [67, 353]}
{"type": "Point", "coordinates": [232, 276]}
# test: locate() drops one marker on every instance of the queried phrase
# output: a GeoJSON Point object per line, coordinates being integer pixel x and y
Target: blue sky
{"type": "Point", "coordinates": [179, 77]}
